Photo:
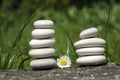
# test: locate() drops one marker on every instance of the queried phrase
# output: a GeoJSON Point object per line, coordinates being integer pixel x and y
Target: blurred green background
{"type": "Point", "coordinates": [70, 18]}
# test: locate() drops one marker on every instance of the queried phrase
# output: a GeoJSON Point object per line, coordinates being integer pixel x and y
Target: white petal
{"type": "Point", "coordinates": [58, 62]}
{"type": "Point", "coordinates": [60, 66]}
{"type": "Point", "coordinates": [64, 57]}
{"type": "Point", "coordinates": [69, 61]}
{"type": "Point", "coordinates": [68, 66]}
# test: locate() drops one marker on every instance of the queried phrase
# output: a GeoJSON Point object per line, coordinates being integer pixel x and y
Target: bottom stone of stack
{"type": "Point", "coordinates": [91, 60]}
{"type": "Point", "coordinates": [46, 63]}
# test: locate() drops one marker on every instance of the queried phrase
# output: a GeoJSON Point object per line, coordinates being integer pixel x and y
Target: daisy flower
{"type": "Point", "coordinates": [63, 61]}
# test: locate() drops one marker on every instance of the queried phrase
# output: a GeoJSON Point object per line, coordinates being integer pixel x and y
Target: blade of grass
{"type": "Point", "coordinates": [6, 62]}
{"type": "Point", "coordinates": [21, 65]}
{"type": "Point", "coordinates": [106, 30]}
{"type": "Point", "coordinates": [21, 31]}
{"type": "Point", "coordinates": [69, 38]}
{"type": "Point", "coordinates": [112, 56]}
{"type": "Point", "coordinates": [11, 62]}
{"type": "Point", "coordinates": [68, 47]}
{"type": "Point", "coordinates": [73, 55]}
{"type": "Point", "coordinates": [69, 51]}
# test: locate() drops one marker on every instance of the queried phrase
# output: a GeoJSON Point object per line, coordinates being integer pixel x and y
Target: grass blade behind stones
{"type": "Point", "coordinates": [21, 31]}
{"type": "Point", "coordinates": [111, 56]}
{"type": "Point", "coordinates": [71, 51]}
{"type": "Point", "coordinates": [106, 30]}
{"type": "Point", "coordinates": [21, 65]}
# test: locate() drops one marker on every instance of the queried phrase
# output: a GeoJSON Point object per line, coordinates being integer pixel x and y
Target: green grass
{"type": "Point", "coordinates": [16, 27]}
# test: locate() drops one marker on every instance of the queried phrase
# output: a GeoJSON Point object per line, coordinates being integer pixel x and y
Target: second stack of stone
{"type": "Point", "coordinates": [90, 48]}
{"type": "Point", "coordinates": [42, 51]}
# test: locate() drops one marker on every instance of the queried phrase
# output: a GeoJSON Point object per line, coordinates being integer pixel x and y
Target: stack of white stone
{"type": "Point", "coordinates": [90, 48]}
{"type": "Point", "coordinates": [42, 43]}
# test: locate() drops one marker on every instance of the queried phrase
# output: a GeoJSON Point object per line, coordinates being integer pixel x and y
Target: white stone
{"type": "Point", "coordinates": [91, 42]}
{"type": "Point", "coordinates": [43, 33]}
{"type": "Point", "coordinates": [40, 43]}
{"type": "Point", "coordinates": [43, 63]}
{"type": "Point", "coordinates": [91, 60]}
{"type": "Point", "coordinates": [90, 51]}
{"type": "Point", "coordinates": [91, 32]}
{"type": "Point", "coordinates": [43, 24]}
{"type": "Point", "coordinates": [42, 53]}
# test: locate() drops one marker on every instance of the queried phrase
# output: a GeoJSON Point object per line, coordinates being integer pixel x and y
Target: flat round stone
{"type": "Point", "coordinates": [43, 63]}
{"type": "Point", "coordinates": [43, 24]}
{"type": "Point", "coordinates": [40, 43]}
{"type": "Point", "coordinates": [91, 42]}
{"type": "Point", "coordinates": [91, 60]}
{"type": "Point", "coordinates": [43, 33]}
{"type": "Point", "coordinates": [42, 53]}
{"type": "Point", "coordinates": [88, 33]}
{"type": "Point", "coordinates": [90, 51]}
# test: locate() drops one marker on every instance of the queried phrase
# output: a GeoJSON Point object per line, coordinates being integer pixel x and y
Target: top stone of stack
{"type": "Point", "coordinates": [89, 33]}
{"type": "Point", "coordinates": [43, 24]}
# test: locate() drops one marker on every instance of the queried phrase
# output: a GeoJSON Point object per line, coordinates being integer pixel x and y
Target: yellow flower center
{"type": "Point", "coordinates": [63, 62]}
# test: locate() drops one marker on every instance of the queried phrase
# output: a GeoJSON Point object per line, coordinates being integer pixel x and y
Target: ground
{"type": "Point", "coordinates": [109, 71]}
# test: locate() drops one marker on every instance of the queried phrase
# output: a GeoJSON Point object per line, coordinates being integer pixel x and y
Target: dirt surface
{"type": "Point", "coordinates": [105, 72]}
